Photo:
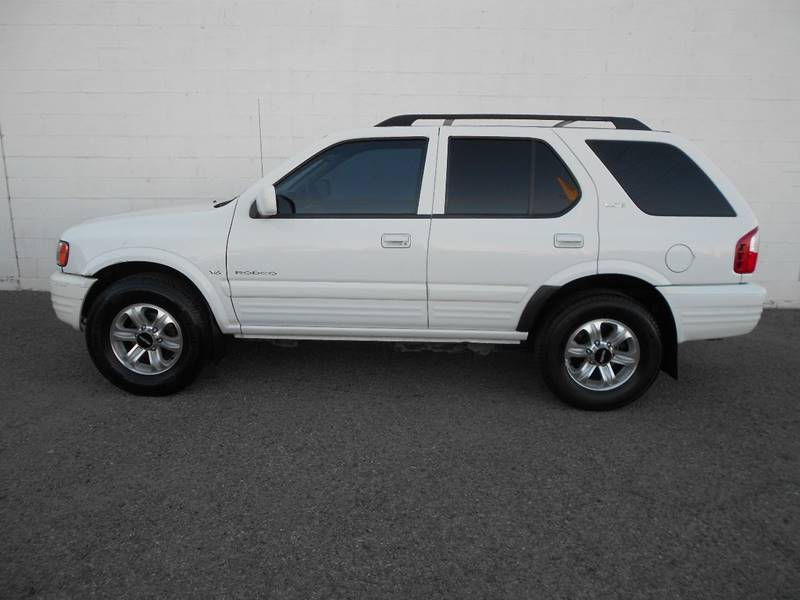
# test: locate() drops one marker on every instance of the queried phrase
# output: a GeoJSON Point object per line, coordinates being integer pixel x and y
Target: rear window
{"type": "Point", "coordinates": [507, 177]}
{"type": "Point", "coordinates": [661, 179]}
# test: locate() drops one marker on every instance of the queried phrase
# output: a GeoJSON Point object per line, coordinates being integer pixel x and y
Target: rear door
{"type": "Point", "coordinates": [514, 210]}
{"type": "Point", "coordinates": [348, 247]}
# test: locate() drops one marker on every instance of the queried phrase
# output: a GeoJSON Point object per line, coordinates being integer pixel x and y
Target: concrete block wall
{"type": "Point", "coordinates": [108, 106]}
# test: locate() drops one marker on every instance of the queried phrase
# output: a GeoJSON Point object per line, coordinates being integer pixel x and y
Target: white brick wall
{"type": "Point", "coordinates": [110, 105]}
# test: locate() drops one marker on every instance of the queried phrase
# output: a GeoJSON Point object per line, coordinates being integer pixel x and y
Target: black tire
{"type": "Point", "coordinates": [164, 291]}
{"type": "Point", "coordinates": [560, 325]}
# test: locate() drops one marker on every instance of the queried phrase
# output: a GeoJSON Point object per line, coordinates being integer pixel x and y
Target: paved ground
{"type": "Point", "coordinates": [364, 471]}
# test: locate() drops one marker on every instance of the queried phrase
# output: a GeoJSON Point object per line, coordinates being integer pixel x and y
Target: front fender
{"type": "Point", "coordinates": [212, 284]}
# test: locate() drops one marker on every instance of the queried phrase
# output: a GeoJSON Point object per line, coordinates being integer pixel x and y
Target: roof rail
{"type": "Point", "coordinates": [618, 122]}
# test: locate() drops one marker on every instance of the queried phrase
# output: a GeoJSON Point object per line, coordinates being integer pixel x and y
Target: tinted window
{"type": "Point", "coordinates": [360, 177]}
{"type": "Point", "coordinates": [661, 179]}
{"type": "Point", "coordinates": [496, 176]}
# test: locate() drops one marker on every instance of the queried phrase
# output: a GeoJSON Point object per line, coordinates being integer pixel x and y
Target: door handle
{"type": "Point", "coordinates": [396, 240]}
{"type": "Point", "coordinates": [568, 240]}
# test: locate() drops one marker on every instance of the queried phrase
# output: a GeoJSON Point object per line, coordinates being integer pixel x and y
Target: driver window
{"type": "Point", "coordinates": [381, 176]}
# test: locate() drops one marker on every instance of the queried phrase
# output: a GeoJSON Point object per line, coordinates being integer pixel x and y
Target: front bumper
{"type": "Point", "coordinates": [704, 312]}
{"type": "Point", "coordinates": [67, 293]}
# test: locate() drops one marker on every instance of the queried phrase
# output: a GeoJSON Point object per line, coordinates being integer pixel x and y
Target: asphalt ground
{"type": "Point", "coordinates": [346, 470]}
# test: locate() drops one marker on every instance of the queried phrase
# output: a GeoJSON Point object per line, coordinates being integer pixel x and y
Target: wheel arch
{"type": "Point", "coordinates": [132, 260]}
{"type": "Point", "coordinates": [108, 274]}
{"type": "Point", "coordinates": [548, 298]}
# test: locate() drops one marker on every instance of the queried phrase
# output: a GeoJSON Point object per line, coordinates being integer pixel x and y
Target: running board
{"type": "Point", "coordinates": [368, 334]}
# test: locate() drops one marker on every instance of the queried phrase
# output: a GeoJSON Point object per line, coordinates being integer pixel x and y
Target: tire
{"type": "Point", "coordinates": [132, 309]}
{"type": "Point", "coordinates": [629, 344]}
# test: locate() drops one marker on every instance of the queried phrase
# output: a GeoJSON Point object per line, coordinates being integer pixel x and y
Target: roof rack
{"type": "Point", "coordinates": [618, 122]}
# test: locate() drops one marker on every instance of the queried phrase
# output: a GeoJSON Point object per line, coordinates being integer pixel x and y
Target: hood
{"type": "Point", "coordinates": [185, 231]}
{"type": "Point", "coordinates": [181, 209]}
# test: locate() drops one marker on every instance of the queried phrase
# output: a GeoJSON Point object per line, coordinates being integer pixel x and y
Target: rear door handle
{"type": "Point", "coordinates": [396, 240]}
{"type": "Point", "coordinates": [568, 240]}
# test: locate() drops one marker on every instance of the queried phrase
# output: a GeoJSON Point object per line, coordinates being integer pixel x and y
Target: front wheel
{"type": "Point", "coordinates": [600, 353]}
{"type": "Point", "coordinates": [148, 334]}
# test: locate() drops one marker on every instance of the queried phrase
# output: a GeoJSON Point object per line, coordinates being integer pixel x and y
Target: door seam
{"type": "Point", "coordinates": [430, 227]}
{"type": "Point", "coordinates": [596, 199]}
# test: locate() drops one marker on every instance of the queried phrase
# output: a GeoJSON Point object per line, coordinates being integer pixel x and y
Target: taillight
{"type": "Point", "coordinates": [746, 254]}
{"type": "Point", "coordinates": [62, 254]}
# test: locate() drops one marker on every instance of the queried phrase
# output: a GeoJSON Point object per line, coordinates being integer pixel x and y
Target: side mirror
{"type": "Point", "coordinates": [266, 202]}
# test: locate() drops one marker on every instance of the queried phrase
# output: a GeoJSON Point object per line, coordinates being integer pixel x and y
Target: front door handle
{"type": "Point", "coordinates": [396, 240]}
{"type": "Point", "coordinates": [568, 240]}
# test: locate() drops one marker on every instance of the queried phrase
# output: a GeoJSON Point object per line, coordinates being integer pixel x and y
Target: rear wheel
{"type": "Point", "coordinates": [148, 334]}
{"type": "Point", "coordinates": [601, 352]}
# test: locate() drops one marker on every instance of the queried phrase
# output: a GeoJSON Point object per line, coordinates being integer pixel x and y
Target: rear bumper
{"type": "Point", "coordinates": [703, 312]}
{"type": "Point", "coordinates": [67, 293]}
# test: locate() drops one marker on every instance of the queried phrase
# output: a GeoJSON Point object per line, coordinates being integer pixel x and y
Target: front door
{"type": "Point", "coordinates": [347, 250]}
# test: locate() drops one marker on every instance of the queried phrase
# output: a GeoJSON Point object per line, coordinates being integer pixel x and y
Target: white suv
{"type": "Point", "coordinates": [604, 247]}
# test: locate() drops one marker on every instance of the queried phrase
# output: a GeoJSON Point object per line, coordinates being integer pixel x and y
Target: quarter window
{"type": "Point", "coordinates": [359, 177]}
{"type": "Point", "coordinates": [507, 177]}
{"type": "Point", "coordinates": [661, 179]}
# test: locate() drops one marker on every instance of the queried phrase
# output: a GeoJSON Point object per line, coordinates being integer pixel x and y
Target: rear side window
{"type": "Point", "coordinates": [363, 177]}
{"type": "Point", "coordinates": [507, 177]}
{"type": "Point", "coordinates": [661, 179]}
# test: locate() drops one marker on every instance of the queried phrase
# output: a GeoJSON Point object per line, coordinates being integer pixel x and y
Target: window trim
{"type": "Point", "coordinates": [588, 141]}
{"type": "Point", "coordinates": [333, 215]}
{"type": "Point", "coordinates": [530, 139]}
